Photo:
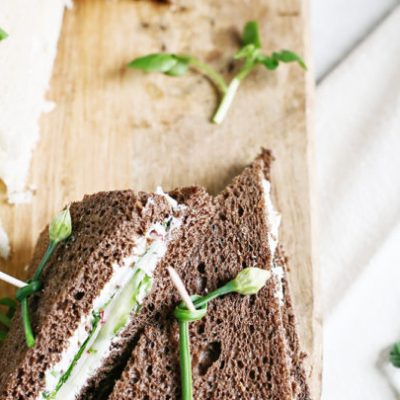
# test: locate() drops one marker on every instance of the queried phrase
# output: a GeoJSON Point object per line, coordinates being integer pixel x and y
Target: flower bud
{"type": "Point", "coordinates": [61, 226]}
{"type": "Point", "coordinates": [250, 280]}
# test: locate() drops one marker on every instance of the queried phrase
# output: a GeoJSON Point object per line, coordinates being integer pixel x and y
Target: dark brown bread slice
{"type": "Point", "coordinates": [199, 209]}
{"type": "Point", "coordinates": [228, 364]}
{"type": "Point", "coordinates": [240, 348]}
{"type": "Point", "coordinates": [104, 229]}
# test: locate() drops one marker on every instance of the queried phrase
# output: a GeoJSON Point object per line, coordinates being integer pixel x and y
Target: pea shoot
{"type": "Point", "coordinates": [59, 230]}
{"type": "Point", "coordinates": [250, 54]}
{"type": "Point", "coordinates": [248, 281]}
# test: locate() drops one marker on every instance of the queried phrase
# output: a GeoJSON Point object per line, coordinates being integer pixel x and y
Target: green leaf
{"type": "Point", "coordinates": [395, 355]}
{"type": "Point", "coordinates": [288, 56]}
{"type": "Point", "coordinates": [4, 320]}
{"type": "Point", "coordinates": [3, 34]}
{"type": "Point", "coordinates": [154, 62]}
{"type": "Point", "coordinates": [3, 335]}
{"type": "Point", "coordinates": [251, 35]}
{"type": "Point", "coordinates": [269, 62]}
{"type": "Point", "coordinates": [8, 302]}
{"type": "Point", "coordinates": [11, 304]}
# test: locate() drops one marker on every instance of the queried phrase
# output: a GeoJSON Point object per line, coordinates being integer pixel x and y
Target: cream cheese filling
{"type": "Point", "coordinates": [143, 260]}
{"type": "Point", "coordinates": [273, 223]}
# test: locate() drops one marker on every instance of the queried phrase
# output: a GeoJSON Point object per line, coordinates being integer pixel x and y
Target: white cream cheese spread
{"type": "Point", "coordinates": [273, 223]}
{"type": "Point", "coordinates": [123, 293]}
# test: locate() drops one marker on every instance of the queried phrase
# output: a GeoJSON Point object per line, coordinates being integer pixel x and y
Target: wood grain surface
{"type": "Point", "coordinates": [115, 128]}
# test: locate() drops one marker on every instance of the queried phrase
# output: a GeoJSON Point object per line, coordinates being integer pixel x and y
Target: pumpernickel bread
{"type": "Point", "coordinates": [199, 207]}
{"type": "Point", "coordinates": [246, 347]}
{"type": "Point", "coordinates": [106, 227]}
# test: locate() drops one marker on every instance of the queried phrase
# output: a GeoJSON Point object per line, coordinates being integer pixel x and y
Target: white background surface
{"type": "Point", "coordinates": [339, 25]}
{"type": "Point", "coordinates": [357, 51]}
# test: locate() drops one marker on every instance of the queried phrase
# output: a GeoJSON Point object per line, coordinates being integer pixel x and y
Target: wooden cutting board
{"type": "Point", "coordinates": [115, 128]}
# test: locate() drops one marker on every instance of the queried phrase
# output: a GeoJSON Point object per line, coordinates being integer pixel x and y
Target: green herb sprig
{"type": "Point", "coordinates": [250, 53]}
{"type": "Point", "coordinates": [249, 281]}
{"type": "Point", "coordinates": [59, 230]}
{"type": "Point", "coordinates": [184, 317]}
{"type": "Point", "coordinates": [3, 34]}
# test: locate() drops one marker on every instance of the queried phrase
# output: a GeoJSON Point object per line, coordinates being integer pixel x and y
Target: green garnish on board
{"type": "Point", "coordinates": [59, 230]}
{"type": "Point", "coordinates": [3, 34]}
{"type": "Point", "coordinates": [248, 281]}
{"type": "Point", "coordinates": [250, 54]}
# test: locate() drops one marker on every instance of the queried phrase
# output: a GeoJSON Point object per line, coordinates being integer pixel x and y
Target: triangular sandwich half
{"type": "Point", "coordinates": [242, 348]}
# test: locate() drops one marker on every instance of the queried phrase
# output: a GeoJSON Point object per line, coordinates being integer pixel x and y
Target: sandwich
{"type": "Point", "coordinates": [246, 347]}
{"type": "Point", "coordinates": [93, 287]}
{"type": "Point", "coordinates": [104, 319]}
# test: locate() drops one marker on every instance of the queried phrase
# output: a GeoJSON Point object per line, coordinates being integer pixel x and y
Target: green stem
{"type": "Point", "coordinates": [246, 69]}
{"type": "Point", "coordinates": [229, 95]}
{"type": "Point", "coordinates": [24, 293]}
{"type": "Point", "coordinates": [3, 335]}
{"type": "Point", "coordinates": [185, 361]}
{"type": "Point", "coordinates": [211, 73]}
{"type": "Point", "coordinates": [248, 281]}
{"type": "Point", "coordinates": [184, 341]}
{"type": "Point", "coordinates": [50, 248]}
{"type": "Point", "coordinates": [28, 290]}
{"type": "Point", "coordinates": [228, 288]}
{"type": "Point", "coordinates": [226, 101]}
{"type": "Point", "coordinates": [29, 337]}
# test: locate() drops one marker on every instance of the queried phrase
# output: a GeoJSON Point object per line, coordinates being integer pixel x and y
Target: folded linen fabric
{"type": "Point", "coordinates": [358, 144]}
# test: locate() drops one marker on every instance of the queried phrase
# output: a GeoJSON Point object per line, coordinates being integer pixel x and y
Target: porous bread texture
{"type": "Point", "coordinates": [236, 355]}
{"type": "Point", "coordinates": [105, 226]}
{"type": "Point", "coordinates": [239, 350]}
{"type": "Point", "coordinates": [250, 353]}
{"type": "Point", "coordinates": [199, 206]}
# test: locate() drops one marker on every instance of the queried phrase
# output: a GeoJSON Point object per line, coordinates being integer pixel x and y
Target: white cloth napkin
{"type": "Point", "coordinates": [358, 182]}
